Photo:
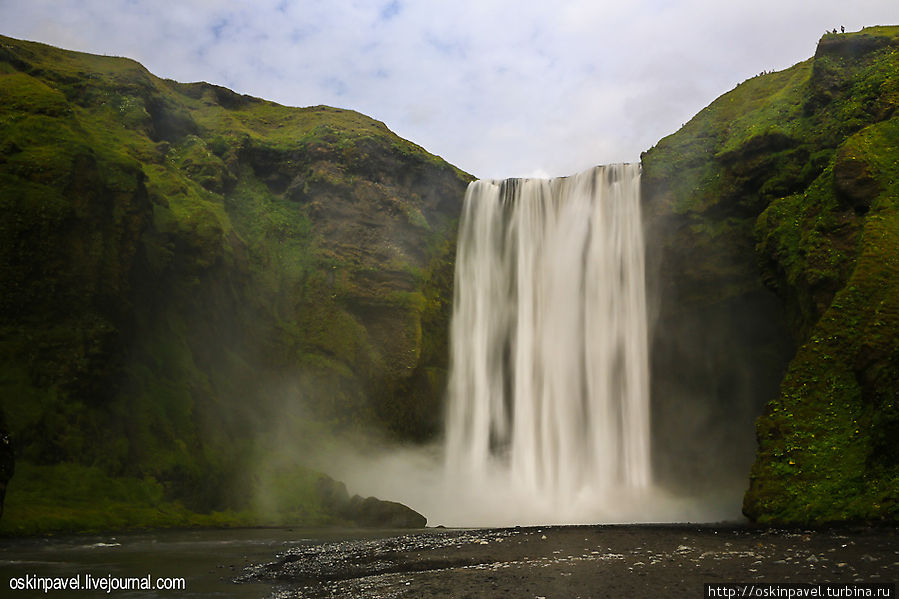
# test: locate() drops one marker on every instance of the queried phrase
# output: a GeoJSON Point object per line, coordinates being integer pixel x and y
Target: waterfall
{"type": "Point", "coordinates": [548, 391]}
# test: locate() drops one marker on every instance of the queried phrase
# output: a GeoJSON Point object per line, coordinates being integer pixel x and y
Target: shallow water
{"type": "Point", "coordinates": [207, 560]}
{"type": "Point", "coordinates": [554, 562]}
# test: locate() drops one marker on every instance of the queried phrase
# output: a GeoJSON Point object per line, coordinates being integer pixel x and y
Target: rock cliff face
{"type": "Point", "coordinates": [186, 272]}
{"type": "Point", "coordinates": [192, 280]}
{"type": "Point", "coordinates": [773, 227]}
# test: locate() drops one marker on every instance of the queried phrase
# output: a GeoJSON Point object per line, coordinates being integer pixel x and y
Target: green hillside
{"type": "Point", "coordinates": [198, 288]}
{"type": "Point", "coordinates": [201, 291]}
{"type": "Point", "coordinates": [790, 183]}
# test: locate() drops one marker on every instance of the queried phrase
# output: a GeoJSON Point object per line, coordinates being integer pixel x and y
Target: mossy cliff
{"type": "Point", "coordinates": [191, 279]}
{"type": "Point", "coordinates": [788, 184]}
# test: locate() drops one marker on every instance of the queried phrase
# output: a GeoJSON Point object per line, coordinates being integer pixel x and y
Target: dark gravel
{"type": "Point", "coordinates": [577, 561]}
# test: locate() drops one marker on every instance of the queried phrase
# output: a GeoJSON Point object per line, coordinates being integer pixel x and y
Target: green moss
{"type": "Point", "coordinates": [66, 498]}
{"type": "Point", "coordinates": [200, 164]}
{"type": "Point", "coordinates": [73, 498]}
{"type": "Point", "coordinates": [801, 166]}
{"type": "Point", "coordinates": [846, 367]}
{"type": "Point", "coordinates": [22, 93]}
{"type": "Point", "coordinates": [181, 267]}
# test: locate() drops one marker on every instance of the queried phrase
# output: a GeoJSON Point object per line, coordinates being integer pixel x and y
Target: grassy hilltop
{"type": "Point", "coordinates": [199, 290]}
{"type": "Point", "coordinates": [790, 183]}
{"type": "Point", "coordinates": [192, 279]}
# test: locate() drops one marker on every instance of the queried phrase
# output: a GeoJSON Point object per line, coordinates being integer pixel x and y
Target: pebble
{"type": "Point", "coordinates": [312, 561]}
{"type": "Point", "coordinates": [868, 558]}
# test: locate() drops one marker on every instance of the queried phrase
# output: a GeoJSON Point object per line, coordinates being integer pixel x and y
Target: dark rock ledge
{"type": "Point", "coordinates": [369, 512]}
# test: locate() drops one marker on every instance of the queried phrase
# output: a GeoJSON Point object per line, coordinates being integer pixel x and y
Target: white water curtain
{"type": "Point", "coordinates": [549, 362]}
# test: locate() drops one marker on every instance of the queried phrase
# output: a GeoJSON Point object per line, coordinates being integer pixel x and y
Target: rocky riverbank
{"type": "Point", "coordinates": [577, 561]}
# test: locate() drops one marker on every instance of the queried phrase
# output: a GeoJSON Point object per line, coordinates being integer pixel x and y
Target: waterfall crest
{"type": "Point", "coordinates": [548, 390]}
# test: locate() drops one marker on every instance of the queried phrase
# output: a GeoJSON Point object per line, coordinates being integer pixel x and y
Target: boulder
{"type": "Point", "coordinates": [368, 512]}
{"type": "Point", "coordinates": [372, 512]}
{"type": "Point", "coordinates": [854, 181]}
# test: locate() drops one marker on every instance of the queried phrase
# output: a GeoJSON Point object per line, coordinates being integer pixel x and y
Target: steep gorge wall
{"type": "Point", "coordinates": [773, 227]}
{"type": "Point", "coordinates": [191, 276]}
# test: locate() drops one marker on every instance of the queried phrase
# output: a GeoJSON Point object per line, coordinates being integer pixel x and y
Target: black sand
{"type": "Point", "coordinates": [579, 561]}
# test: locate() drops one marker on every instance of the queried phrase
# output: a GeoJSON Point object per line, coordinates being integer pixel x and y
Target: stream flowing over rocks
{"type": "Point", "coordinates": [576, 561]}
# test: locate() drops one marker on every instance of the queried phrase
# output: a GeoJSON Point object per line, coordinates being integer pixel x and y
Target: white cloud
{"type": "Point", "coordinates": [498, 88]}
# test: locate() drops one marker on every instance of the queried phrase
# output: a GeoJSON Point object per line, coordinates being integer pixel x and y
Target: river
{"type": "Point", "coordinates": [206, 560]}
{"type": "Point", "coordinates": [552, 562]}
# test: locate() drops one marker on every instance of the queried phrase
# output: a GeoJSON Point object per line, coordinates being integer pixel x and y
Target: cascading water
{"type": "Point", "coordinates": [548, 402]}
{"type": "Point", "coordinates": [548, 408]}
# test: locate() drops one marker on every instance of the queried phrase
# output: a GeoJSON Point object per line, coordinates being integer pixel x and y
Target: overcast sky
{"type": "Point", "coordinates": [498, 88]}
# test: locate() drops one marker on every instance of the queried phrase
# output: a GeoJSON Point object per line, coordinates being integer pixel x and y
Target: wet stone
{"type": "Point", "coordinates": [632, 561]}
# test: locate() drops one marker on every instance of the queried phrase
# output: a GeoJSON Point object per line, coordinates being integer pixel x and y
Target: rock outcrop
{"type": "Point", "coordinates": [369, 512]}
{"type": "Point", "coordinates": [773, 222]}
{"type": "Point", "coordinates": [185, 270]}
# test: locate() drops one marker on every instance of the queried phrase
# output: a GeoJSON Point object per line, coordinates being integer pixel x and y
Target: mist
{"type": "Point", "coordinates": [706, 391]}
{"type": "Point", "coordinates": [418, 478]}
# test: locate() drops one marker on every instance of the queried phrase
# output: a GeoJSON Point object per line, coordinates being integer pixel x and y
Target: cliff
{"type": "Point", "coordinates": [773, 220]}
{"type": "Point", "coordinates": [198, 289]}
{"type": "Point", "coordinates": [189, 278]}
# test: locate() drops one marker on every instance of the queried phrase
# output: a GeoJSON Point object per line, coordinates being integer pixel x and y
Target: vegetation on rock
{"type": "Point", "coordinates": [189, 277]}
{"type": "Point", "coordinates": [199, 288]}
{"type": "Point", "coordinates": [791, 180]}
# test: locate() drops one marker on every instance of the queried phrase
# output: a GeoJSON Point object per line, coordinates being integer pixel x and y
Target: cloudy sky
{"type": "Point", "coordinates": [497, 87]}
